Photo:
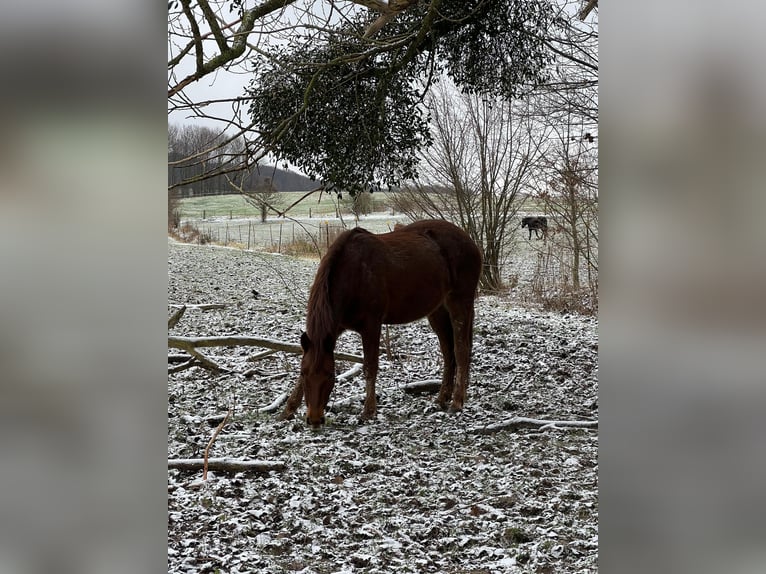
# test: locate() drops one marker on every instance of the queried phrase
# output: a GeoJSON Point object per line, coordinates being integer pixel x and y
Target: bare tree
{"type": "Point", "coordinates": [572, 198]}
{"type": "Point", "coordinates": [263, 195]}
{"type": "Point", "coordinates": [475, 173]}
{"type": "Point", "coordinates": [566, 109]}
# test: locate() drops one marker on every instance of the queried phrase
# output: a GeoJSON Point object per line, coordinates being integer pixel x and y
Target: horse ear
{"type": "Point", "coordinates": [305, 342]}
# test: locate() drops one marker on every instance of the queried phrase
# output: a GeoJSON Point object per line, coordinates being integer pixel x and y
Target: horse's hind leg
{"type": "Point", "coordinates": [371, 347]}
{"type": "Point", "coordinates": [461, 312]}
{"type": "Point", "coordinates": [442, 325]}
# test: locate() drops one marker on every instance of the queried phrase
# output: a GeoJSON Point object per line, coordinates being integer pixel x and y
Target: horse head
{"type": "Point", "coordinates": [317, 376]}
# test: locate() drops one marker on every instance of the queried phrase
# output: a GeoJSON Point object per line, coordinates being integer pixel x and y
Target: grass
{"type": "Point", "coordinates": [236, 206]}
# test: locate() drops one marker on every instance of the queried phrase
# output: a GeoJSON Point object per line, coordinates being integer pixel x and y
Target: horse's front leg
{"type": "Point", "coordinates": [293, 401]}
{"type": "Point", "coordinates": [371, 347]}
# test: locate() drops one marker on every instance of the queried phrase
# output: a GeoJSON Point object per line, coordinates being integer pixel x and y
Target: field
{"type": "Point", "coordinates": [222, 206]}
{"type": "Point", "coordinates": [416, 490]}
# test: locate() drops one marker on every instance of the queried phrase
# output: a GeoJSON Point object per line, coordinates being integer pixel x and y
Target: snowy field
{"type": "Point", "coordinates": [249, 232]}
{"type": "Point", "coordinates": [416, 490]}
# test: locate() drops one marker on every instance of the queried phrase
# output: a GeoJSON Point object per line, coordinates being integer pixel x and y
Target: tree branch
{"type": "Point", "coordinates": [228, 54]}
{"type": "Point", "coordinates": [589, 6]}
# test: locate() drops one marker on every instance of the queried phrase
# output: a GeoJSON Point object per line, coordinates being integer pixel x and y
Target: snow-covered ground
{"type": "Point", "coordinates": [416, 490]}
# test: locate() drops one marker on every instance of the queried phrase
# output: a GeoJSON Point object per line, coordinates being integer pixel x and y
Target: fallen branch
{"type": "Point", "coordinates": [201, 306]}
{"type": "Point", "coordinates": [225, 464]}
{"type": "Point", "coordinates": [275, 404]}
{"type": "Point", "coordinates": [215, 420]}
{"type": "Point", "coordinates": [422, 387]}
{"type": "Point", "coordinates": [176, 317]}
{"type": "Point", "coordinates": [354, 401]}
{"type": "Point", "coordinates": [204, 361]}
{"type": "Point", "coordinates": [191, 362]}
{"type": "Point", "coordinates": [189, 344]}
{"type": "Point", "coordinates": [524, 422]}
{"type": "Point", "coordinates": [261, 355]}
{"type": "Point", "coordinates": [350, 374]}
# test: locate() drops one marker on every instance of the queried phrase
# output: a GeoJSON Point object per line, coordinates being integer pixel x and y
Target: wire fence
{"type": "Point", "coordinates": [285, 236]}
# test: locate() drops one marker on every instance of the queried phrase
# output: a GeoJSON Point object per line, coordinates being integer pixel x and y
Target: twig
{"type": "Point", "coordinates": [211, 441]}
{"type": "Point", "coordinates": [509, 385]}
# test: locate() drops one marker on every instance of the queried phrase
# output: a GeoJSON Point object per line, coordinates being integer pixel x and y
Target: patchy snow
{"type": "Point", "coordinates": [412, 491]}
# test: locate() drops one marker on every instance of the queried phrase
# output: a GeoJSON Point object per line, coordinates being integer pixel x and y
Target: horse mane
{"type": "Point", "coordinates": [320, 319]}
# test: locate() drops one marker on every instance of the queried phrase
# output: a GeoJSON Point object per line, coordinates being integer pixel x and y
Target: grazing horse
{"type": "Point", "coordinates": [539, 223]}
{"type": "Point", "coordinates": [425, 269]}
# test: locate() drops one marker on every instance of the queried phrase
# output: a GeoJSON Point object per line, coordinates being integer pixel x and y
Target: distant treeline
{"type": "Point", "coordinates": [260, 178]}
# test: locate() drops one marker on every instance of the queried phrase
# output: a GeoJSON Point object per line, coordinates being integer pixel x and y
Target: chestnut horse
{"type": "Point", "coordinates": [425, 269]}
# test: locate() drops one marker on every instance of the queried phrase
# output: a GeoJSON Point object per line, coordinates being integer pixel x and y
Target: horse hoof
{"type": "Point", "coordinates": [285, 416]}
{"type": "Point", "coordinates": [455, 408]}
{"type": "Point", "coordinates": [366, 417]}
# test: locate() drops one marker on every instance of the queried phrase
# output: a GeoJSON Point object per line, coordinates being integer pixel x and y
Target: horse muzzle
{"type": "Point", "coordinates": [315, 419]}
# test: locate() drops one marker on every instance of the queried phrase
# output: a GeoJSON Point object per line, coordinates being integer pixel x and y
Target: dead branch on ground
{"type": "Point", "coordinates": [176, 317]}
{"type": "Point", "coordinates": [225, 464]}
{"type": "Point", "coordinates": [275, 404]}
{"type": "Point", "coordinates": [201, 306]}
{"type": "Point", "coordinates": [423, 387]}
{"type": "Point", "coordinates": [190, 344]}
{"type": "Point", "coordinates": [524, 422]}
{"type": "Point", "coordinates": [188, 364]}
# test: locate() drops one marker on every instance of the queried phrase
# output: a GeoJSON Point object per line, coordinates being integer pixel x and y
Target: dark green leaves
{"type": "Point", "coordinates": [348, 111]}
